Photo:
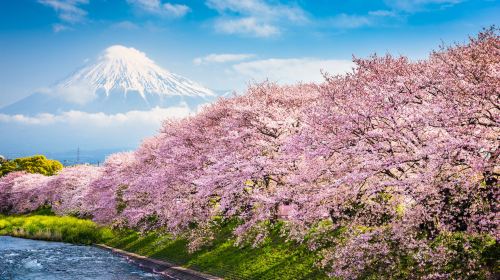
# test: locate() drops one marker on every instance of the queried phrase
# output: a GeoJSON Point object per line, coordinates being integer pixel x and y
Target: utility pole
{"type": "Point", "coordinates": [78, 155]}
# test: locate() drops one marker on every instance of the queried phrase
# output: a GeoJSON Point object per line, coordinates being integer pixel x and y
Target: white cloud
{"type": "Point", "coordinates": [249, 25]}
{"type": "Point", "coordinates": [176, 10]}
{"type": "Point", "coordinates": [254, 17]}
{"type": "Point", "coordinates": [60, 27]}
{"type": "Point", "coordinates": [154, 116]}
{"type": "Point", "coordinates": [382, 13]}
{"type": "Point", "coordinates": [287, 71]}
{"type": "Point", "coordinates": [258, 8]}
{"type": "Point", "coordinates": [77, 93]}
{"type": "Point", "coordinates": [157, 7]}
{"type": "Point", "coordinates": [67, 10]}
{"type": "Point", "coordinates": [372, 18]}
{"type": "Point", "coordinates": [349, 21]}
{"type": "Point", "coordinates": [419, 5]}
{"type": "Point", "coordinates": [222, 58]}
{"type": "Point", "coordinates": [127, 25]}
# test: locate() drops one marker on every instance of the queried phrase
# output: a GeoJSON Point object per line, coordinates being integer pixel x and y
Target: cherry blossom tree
{"type": "Point", "coordinates": [70, 188]}
{"type": "Point", "coordinates": [407, 151]}
{"type": "Point", "coordinates": [6, 184]}
{"type": "Point", "coordinates": [382, 171]}
{"type": "Point", "coordinates": [104, 197]}
{"type": "Point", "coordinates": [20, 192]}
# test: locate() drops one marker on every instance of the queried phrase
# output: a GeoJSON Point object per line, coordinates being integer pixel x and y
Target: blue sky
{"type": "Point", "coordinates": [223, 44]}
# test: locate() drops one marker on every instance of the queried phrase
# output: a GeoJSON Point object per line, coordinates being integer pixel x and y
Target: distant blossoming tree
{"type": "Point", "coordinates": [70, 187]}
{"type": "Point", "coordinates": [23, 192]}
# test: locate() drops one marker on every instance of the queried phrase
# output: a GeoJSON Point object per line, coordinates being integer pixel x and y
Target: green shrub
{"type": "Point", "coordinates": [65, 229]}
{"type": "Point", "coordinates": [34, 164]}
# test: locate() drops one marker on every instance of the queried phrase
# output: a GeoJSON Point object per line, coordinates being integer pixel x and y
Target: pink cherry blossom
{"type": "Point", "coordinates": [368, 168]}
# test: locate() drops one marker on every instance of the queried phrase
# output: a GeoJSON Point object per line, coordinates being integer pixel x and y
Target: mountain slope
{"type": "Point", "coordinates": [121, 79]}
{"type": "Point", "coordinates": [122, 68]}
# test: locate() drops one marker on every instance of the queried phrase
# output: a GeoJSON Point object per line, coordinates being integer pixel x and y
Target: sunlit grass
{"type": "Point", "coordinates": [276, 258]}
{"type": "Point", "coordinates": [64, 229]}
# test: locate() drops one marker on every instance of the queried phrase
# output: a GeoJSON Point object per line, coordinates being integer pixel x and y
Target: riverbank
{"type": "Point", "coordinates": [274, 259]}
{"type": "Point", "coordinates": [22, 258]}
{"type": "Point", "coordinates": [163, 268]}
{"type": "Point", "coordinates": [52, 228]}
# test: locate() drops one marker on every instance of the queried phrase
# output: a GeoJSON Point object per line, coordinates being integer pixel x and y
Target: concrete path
{"type": "Point", "coordinates": [169, 270]}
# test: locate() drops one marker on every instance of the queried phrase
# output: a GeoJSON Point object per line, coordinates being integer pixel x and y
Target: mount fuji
{"type": "Point", "coordinates": [110, 104]}
{"type": "Point", "coordinates": [120, 80]}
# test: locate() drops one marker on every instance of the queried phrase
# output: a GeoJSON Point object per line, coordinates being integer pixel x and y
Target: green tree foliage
{"type": "Point", "coordinates": [34, 164]}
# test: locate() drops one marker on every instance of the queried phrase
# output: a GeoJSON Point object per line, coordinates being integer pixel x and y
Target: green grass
{"type": "Point", "coordinates": [276, 258]}
{"type": "Point", "coordinates": [64, 229]}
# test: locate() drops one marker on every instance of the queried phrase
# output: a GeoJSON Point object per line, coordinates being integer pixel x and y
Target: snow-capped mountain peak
{"type": "Point", "coordinates": [119, 80]}
{"type": "Point", "coordinates": [121, 68]}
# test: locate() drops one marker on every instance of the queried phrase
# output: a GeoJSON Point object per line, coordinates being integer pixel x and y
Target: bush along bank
{"type": "Point", "coordinates": [53, 228]}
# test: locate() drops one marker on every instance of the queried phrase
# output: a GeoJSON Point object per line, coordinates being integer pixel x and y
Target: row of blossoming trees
{"type": "Point", "coordinates": [377, 169]}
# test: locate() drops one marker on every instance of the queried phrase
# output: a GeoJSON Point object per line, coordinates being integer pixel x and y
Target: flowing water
{"type": "Point", "coordinates": [42, 260]}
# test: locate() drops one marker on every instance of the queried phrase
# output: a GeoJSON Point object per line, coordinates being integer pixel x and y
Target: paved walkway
{"type": "Point", "coordinates": [169, 270]}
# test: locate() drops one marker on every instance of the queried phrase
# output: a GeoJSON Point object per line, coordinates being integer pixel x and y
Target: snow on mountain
{"type": "Point", "coordinates": [121, 79]}
{"type": "Point", "coordinates": [122, 68]}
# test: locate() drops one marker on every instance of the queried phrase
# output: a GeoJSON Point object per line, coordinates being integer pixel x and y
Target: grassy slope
{"type": "Point", "coordinates": [275, 259]}
{"type": "Point", "coordinates": [65, 229]}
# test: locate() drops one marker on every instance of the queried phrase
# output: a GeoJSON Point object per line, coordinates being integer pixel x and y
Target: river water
{"type": "Point", "coordinates": [22, 259]}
